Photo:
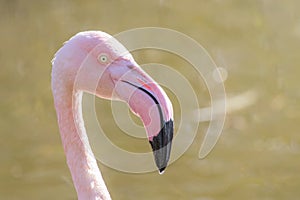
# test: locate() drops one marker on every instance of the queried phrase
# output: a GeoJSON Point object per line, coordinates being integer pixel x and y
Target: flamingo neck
{"type": "Point", "coordinates": [83, 166]}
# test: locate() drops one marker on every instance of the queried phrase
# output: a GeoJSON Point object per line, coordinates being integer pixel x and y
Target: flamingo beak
{"type": "Point", "coordinates": [160, 142]}
{"type": "Point", "coordinates": [161, 145]}
{"type": "Point", "coordinates": [148, 100]}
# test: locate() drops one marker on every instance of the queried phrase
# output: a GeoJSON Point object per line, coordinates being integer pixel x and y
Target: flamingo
{"type": "Point", "coordinates": [96, 63]}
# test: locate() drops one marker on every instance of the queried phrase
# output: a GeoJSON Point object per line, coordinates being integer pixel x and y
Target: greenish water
{"type": "Point", "coordinates": [257, 42]}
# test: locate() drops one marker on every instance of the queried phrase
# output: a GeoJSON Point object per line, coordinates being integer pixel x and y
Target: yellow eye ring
{"type": "Point", "coordinates": [103, 58]}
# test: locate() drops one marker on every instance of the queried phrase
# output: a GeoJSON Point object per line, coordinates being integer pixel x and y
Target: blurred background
{"type": "Point", "coordinates": [256, 42]}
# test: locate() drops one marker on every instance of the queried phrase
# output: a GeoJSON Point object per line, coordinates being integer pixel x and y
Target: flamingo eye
{"type": "Point", "coordinates": [103, 58]}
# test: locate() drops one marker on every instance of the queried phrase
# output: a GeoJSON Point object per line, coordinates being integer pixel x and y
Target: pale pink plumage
{"type": "Point", "coordinates": [96, 63]}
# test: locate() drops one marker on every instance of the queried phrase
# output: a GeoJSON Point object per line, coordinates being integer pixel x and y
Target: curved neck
{"type": "Point", "coordinates": [83, 166]}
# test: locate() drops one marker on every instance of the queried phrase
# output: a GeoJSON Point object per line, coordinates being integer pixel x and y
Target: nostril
{"type": "Point", "coordinates": [131, 66]}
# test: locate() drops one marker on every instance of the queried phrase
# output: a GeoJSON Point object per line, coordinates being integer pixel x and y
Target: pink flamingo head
{"type": "Point", "coordinates": [97, 63]}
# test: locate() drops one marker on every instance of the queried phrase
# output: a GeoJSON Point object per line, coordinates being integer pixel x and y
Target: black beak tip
{"type": "Point", "coordinates": [162, 170]}
{"type": "Point", "coordinates": [161, 146]}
